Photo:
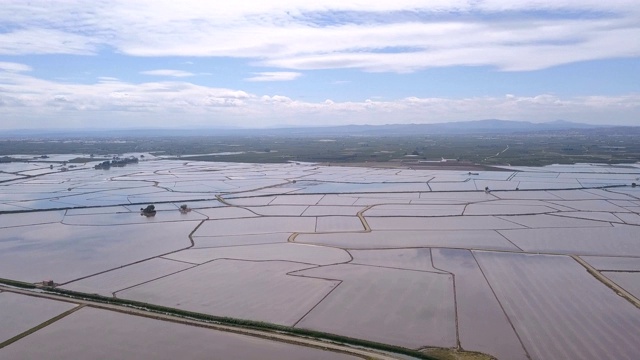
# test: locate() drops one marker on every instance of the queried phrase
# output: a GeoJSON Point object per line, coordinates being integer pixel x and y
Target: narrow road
{"type": "Point", "coordinates": [273, 336]}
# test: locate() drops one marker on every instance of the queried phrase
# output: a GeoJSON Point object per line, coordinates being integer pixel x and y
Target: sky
{"type": "Point", "coordinates": [263, 64]}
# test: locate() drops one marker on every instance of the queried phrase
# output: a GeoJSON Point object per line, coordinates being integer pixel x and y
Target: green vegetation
{"type": "Point", "coordinates": [18, 284]}
{"type": "Point", "coordinates": [523, 149]}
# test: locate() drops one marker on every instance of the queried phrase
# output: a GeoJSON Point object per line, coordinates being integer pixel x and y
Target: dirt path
{"type": "Point", "coordinates": [273, 336]}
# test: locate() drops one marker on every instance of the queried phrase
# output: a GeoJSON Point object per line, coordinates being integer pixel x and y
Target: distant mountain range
{"type": "Point", "coordinates": [490, 126]}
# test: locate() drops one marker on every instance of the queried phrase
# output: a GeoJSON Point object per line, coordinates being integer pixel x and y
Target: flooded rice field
{"type": "Point", "coordinates": [520, 263]}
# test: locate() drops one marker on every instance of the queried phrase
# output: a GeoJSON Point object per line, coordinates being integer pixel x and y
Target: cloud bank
{"type": "Point", "coordinates": [29, 102]}
{"type": "Point", "coordinates": [391, 36]}
{"type": "Point", "coordinates": [287, 39]}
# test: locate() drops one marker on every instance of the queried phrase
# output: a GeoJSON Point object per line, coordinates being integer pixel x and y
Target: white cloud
{"type": "Point", "coordinates": [14, 67]}
{"type": "Point", "coordinates": [374, 36]}
{"type": "Point", "coordinates": [167, 72]}
{"type": "Point", "coordinates": [276, 99]}
{"type": "Point", "coordinates": [38, 40]}
{"type": "Point", "coordinates": [30, 102]}
{"type": "Point", "coordinates": [274, 76]}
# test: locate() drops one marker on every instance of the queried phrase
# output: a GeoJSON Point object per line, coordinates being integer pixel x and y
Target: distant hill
{"type": "Point", "coordinates": [489, 126]}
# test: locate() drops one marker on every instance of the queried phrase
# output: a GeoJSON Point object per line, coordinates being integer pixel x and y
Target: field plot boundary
{"type": "Point", "coordinates": [263, 330]}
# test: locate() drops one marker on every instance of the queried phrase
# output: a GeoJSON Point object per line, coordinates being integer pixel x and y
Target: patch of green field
{"type": "Point", "coordinates": [524, 149]}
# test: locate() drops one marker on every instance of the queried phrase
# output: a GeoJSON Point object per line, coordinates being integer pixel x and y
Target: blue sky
{"type": "Point", "coordinates": [115, 64]}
